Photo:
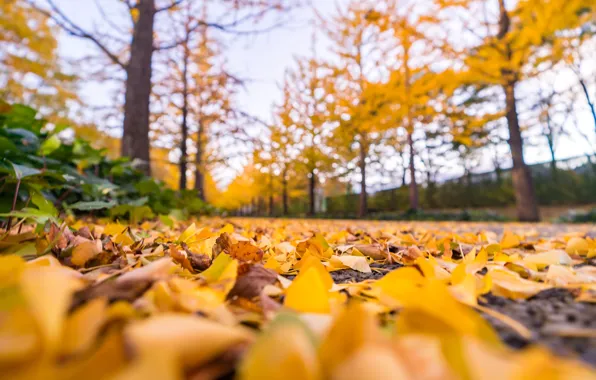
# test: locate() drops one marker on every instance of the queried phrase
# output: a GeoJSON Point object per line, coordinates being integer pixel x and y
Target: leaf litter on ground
{"type": "Point", "coordinates": [297, 299]}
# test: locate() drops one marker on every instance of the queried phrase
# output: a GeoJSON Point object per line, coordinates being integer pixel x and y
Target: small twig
{"type": "Point", "coordinates": [26, 205]}
{"type": "Point", "coordinates": [14, 204]}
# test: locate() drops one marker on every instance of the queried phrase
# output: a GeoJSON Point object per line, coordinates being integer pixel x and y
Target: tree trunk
{"type": "Point", "coordinates": [184, 126]}
{"type": "Point", "coordinates": [312, 181]}
{"type": "Point", "coordinates": [199, 170]}
{"type": "Point", "coordinates": [363, 207]}
{"type": "Point", "coordinates": [135, 137]}
{"type": "Point", "coordinates": [553, 160]}
{"type": "Point", "coordinates": [588, 99]}
{"type": "Point", "coordinates": [284, 194]}
{"type": "Point", "coordinates": [413, 185]}
{"type": "Point", "coordinates": [525, 197]}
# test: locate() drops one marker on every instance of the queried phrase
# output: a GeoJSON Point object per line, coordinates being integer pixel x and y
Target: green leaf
{"type": "Point", "coordinates": [7, 146]}
{"type": "Point", "coordinates": [50, 145]}
{"type": "Point", "coordinates": [43, 204]}
{"type": "Point", "coordinates": [166, 220]}
{"type": "Point", "coordinates": [93, 205]}
{"type": "Point", "coordinates": [22, 171]}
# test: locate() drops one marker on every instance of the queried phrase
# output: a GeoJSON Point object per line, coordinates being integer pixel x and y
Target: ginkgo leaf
{"type": "Point", "coordinates": [577, 245]}
{"type": "Point", "coordinates": [48, 292]}
{"type": "Point", "coordinates": [309, 261]}
{"type": "Point", "coordinates": [295, 355]}
{"type": "Point", "coordinates": [371, 362]}
{"type": "Point", "coordinates": [358, 263]}
{"type": "Point", "coordinates": [308, 293]}
{"type": "Point", "coordinates": [351, 330]}
{"type": "Point", "coordinates": [245, 251]}
{"type": "Point", "coordinates": [191, 340]}
{"type": "Point", "coordinates": [85, 251]}
{"type": "Point", "coordinates": [509, 240]}
{"type": "Point", "coordinates": [82, 326]}
{"type": "Point", "coordinates": [547, 258]}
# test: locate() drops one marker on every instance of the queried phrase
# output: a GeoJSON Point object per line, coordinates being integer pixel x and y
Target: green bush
{"type": "Point", "coordinates": [41, 173]}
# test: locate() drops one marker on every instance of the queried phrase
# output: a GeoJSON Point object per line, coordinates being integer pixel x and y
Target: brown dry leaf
{"type": "Point", "coordinates": [181, 257]}
{"type": "Point", "coordinates": [245, 251]}
{"type": "Point", "coordinates": [251, 283]}
{"type": "Point", "coordinates": [374, 251]}
{"type": "Point", "coordinates": [85, 251]}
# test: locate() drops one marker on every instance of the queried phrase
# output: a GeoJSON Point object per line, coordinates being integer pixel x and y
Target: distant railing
{"type": "Point", "coordinates": [572, 181]}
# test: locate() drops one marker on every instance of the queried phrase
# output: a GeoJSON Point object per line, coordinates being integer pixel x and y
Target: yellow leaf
{"type": "Point", "coordinates": [308, 293]}
{"type": "Point", "coordinates": [191, 340]}
{"type": "Point", "coordinates": [283, 352]}
{"type": "Point", "coordinates": [548, 258]}
{"type": "Point", "coordinates": [113, 229]}
{"type": "Point", "coordinates": [509, 284]}
{"type": "Point", "coordinates": [510, 240]}
{"type": "Point", "coordinates": [309, 261]}
{"type": "Point", "coordinates": [85, 251]}
{"type": "Point", "coordinates": [372, 362]}
{"type": "Point", "coordinates": [82, 326]}
{"type": "Point", "coordinates": [48, 292]}
{"type": "Point", "coordinates": [11, 267]}
{"type": "Point", "coordinates": [358, 263]}
{"type": "Point", "coordinates": [228, 228]}
{"type": "Point", "coordinates": [156, 365]}
{"type": "Point", "coordinates": [350, 331]}
{"type": "Point", "coordinates": [577, 246]}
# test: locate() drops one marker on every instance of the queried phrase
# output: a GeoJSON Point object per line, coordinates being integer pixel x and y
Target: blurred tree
{"type": "Point", "coordinates": [357, 34]}
{"type": "Point", "coordinates": [305, 112]}
{"type": "Point", "coordinates": [134, 51]}
{"type": "Point", "coordinates": [30, 69]}
{"type": "Point", "coordinates": [509, 49]}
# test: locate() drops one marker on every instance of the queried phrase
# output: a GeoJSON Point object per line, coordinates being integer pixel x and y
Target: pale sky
{"type": "Point", "coordinates": [264, 58]}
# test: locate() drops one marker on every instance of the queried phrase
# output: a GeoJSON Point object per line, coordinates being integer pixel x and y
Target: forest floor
{"type": "Point", "coordinates": [273, 298]}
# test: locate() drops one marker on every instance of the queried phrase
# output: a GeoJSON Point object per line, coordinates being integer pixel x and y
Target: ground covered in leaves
{"type": "Point", "coordinates": [297, 299]}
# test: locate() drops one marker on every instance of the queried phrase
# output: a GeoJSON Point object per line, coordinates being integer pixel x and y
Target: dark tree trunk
{"type": "Point", "coordinates": [184, 126]}
{"type": "Point", "coordinates": [551, 148]}
{"type": "Point", "coordinates": [135, 137]}
{"type": "Point", "coordinates": [523, 186]}
{"type": "Point", "coordinates": [413, 184]}
{"type": "Point", "coordinates": [199, 170]}
{"type": "Point", "coordinates": [525, 197]}
{"type": "Point", "coordinates": [270, 204]}
{"type": "Point", "coordinates": [312, 183]}
{"type": "Point", "coordinates": [363, 207]}
{"type": "Point", "coordinates": [588, 99]}
{"type": "Point", "coordinates": [284, 194]}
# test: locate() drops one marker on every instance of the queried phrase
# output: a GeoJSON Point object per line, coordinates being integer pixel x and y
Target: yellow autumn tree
{"type": "Point", "coordinates": [30, 69]}
{"type": "Point", "coordinates": [509, 48]}
{"type": "Point", "coordinates": [358, 33]}
{"type": "Point", "coordinates": [305, 114]}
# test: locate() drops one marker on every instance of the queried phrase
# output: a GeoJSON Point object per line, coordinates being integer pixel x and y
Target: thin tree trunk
{"type": "Point", "coordinates": [270, 192]}
{"type": "Point", "coordinates": [184, 126]}
{"type": "Point", "coordinates": [135, 138]}
{"type": "Point", "coordinates": [199, 170]}
{"type": "Point", "coordinates": [413, 184]}
{"type": "Point", "coordinates": [523, 186]}
{"type": "Point", "coordinates": [284, 194]}
{"type": "Point", "coordinates": [553, 160]}
{"type": "Point", "coordinates": [312, 183]}
{"type": "Point", "coordinates": [405, 170]}
{"type": "Point", "coordinates": [588, 99]}
{"type": "Point", "coordinates": [525, 197]}
{"type": "Point", "coordinates": [363, 207]}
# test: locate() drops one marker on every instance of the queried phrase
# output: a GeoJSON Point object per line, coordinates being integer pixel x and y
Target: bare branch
{"type": "Point", "coordinates": [74, 30]}
{"type": "Point", "coordinates": [168, 7]}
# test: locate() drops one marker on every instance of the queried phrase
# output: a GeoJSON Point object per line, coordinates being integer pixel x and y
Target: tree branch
{"type": "Point", "coordinates": [74, 30]}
